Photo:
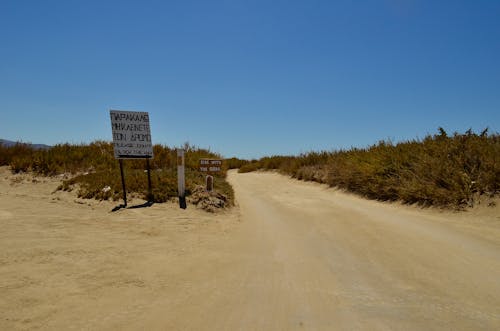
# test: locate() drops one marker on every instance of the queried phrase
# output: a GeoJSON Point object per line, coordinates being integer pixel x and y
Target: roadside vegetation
{"type": "Point", "coordinates": [235, 163]}
{"type": "Point", "coordinates": [94, 173]}
{"type": "Point", "coordinates": [452, 171]}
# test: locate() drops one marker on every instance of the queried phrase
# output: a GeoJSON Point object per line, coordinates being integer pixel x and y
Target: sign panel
{"type": "Point", "coordinates": [131, 134]}
{"type": "Point", "coordinates": [210, 165]}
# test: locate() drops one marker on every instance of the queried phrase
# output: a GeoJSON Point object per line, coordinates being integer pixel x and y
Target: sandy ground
{"type": "Point", "coordinates": [290, 256]}
{"type": "Point", "coordinates": [71, 264]}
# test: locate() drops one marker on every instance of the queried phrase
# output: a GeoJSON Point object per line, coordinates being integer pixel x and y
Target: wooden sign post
{"type": "Point", "coordinates": [181, 184]}
{"type": "Point", "coordinates": [210, 166]}
{"type": "Point", "coordinates": [209, 183]}
{"type": "Point", "coordinates": [132, 140]}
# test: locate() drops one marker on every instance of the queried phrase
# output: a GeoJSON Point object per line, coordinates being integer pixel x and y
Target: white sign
{"type": "Point", "coordinates": [131, 134]}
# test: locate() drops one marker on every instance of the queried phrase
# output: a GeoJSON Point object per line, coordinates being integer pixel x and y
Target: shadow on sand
{"type": "Point", "coordinates": [144, 205]}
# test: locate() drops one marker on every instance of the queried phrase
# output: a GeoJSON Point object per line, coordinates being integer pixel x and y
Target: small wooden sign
{"type": "Point", "coordinates": [210, 165]}
{"type": "Point", "coordinates": [209, 183]}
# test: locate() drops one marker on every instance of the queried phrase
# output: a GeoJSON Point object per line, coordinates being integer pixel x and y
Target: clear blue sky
{"type": "Point", "coordinates": [250, 78]}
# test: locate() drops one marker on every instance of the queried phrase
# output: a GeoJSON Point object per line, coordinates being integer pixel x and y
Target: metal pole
{"type": "Point", "coordinates": [150, 190]}
{"type": "Point", "coordinates": [123, 184]}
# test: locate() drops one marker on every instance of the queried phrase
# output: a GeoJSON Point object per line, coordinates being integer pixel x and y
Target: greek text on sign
{"type": "Point", "coordinates": [131, 134]}
{"type": "Point", "coordinates": [210, 165]}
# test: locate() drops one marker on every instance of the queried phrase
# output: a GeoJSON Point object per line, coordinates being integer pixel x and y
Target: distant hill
{"type": "Point", "coordinates": [9, 143]}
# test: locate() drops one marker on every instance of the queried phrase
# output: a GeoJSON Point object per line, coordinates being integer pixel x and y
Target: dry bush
{"type": "Point", "coordinates": [441, 170]}
{"type": "Point", "coordinates": [235, 163]}
{"type": "Point", "coordinates": [96, 174]}
{"type": "Point", "coordinates": [251, 166]}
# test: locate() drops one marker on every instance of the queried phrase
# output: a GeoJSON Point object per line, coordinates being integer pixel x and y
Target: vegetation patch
{"type": "Point", "coordinates": [443, 170]}
{"type": "Point", "coordinates": [94, 173]}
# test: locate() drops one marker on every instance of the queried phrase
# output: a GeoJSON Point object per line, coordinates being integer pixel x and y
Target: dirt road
{"type": "Point", "coordinates": [308, 258]}
{"type": "Point", "coordinates": [298, 256]}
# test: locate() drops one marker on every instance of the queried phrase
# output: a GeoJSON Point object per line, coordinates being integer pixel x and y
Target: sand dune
{"type": "Point", "coordinates": [290, 256]}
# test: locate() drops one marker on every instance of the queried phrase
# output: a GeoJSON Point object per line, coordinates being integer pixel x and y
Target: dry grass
{"type": "Point", "coordinates": [92, 169]}
{"type": "Point", "coordinates": [440, 170]}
